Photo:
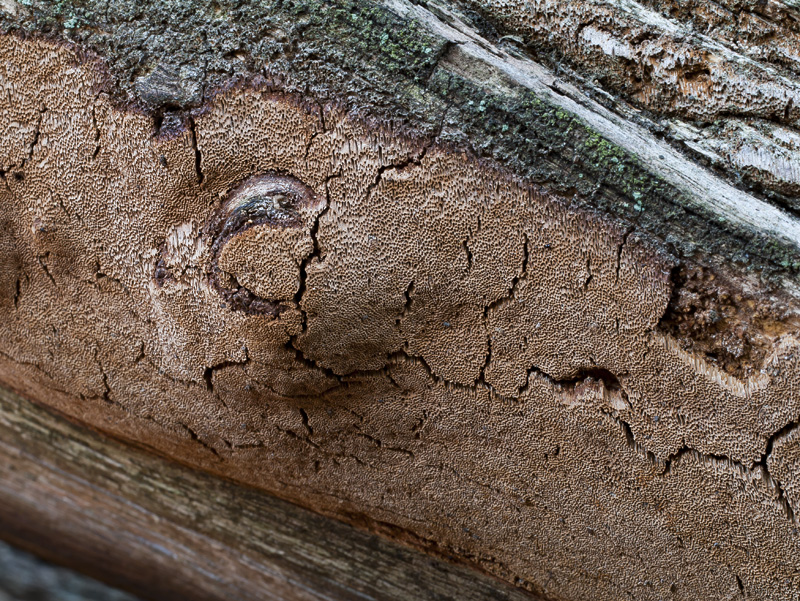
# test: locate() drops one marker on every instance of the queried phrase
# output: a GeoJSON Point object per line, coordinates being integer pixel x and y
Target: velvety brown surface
{"type": "Point", "coordinates": [422, 344]}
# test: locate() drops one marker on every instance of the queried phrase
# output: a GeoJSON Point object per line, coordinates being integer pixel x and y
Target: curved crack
{"type": "Point", "coordinates": [210, 371]}
{"type": "Point", "coordinates": [193, 435]}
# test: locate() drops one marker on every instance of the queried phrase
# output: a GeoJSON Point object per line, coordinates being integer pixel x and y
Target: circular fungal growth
{"type": "Point", "coordinates": [260, 239]}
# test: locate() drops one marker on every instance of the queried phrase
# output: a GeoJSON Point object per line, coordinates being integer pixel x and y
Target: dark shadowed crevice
{"type": "Point", "coordinates": [211, 370]}
{"type": "Point", "coordinates": [193, 435]}
{"type": "Point", "coordinates": [198, 157]}
{"type": "Point", "coordinates": [711, 316]}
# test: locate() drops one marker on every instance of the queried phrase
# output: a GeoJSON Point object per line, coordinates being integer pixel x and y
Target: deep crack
{"type": "Point", "coordinates": [761, 464]}
{"type": "Point", "coordinates": [210, 371]}
{"type": "Point", "coordinates": [306, 423]}
{"type": "Point", "coordinates": [620, 247]}
{"type": "Point", "coordinates": [106, 396]}
{"type": "Point", "coordinates": [96, 150]}
{"type": "Point", "coordinates": [316, 253]}
{"type": "Point", "coordinates": [199, 440]}
{"type": "Point", "coordinates": [198, 157]}
{"type": "Point", "coordinates": [42, 260]}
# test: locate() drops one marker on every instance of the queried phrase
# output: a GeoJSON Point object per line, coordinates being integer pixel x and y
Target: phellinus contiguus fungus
{"type": "Point", "coordinates": [389, 331]}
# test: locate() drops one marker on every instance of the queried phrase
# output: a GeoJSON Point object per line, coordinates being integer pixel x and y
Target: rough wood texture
{"type": "Point", "coordinates": [167, 532]}
{"type": "Point", "coordinates": [725, 74]}
{"type": "Point", "coordinates": [361, 316]}
{"type": "Point", "coordinates": [24, 577]}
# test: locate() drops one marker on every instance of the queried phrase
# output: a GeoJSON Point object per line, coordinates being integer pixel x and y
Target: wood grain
{"type": "Point", "coordinates": [166, 532]}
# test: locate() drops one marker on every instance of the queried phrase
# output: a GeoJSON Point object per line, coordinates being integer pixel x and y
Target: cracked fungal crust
{"type": "Point", "coordinates": [442, 353]}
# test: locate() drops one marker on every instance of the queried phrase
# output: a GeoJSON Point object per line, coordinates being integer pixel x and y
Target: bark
{"type": "Point", "coordinates": [512, 282]}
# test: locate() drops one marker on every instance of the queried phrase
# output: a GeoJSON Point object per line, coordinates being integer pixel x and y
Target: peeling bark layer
{"type": "Point", "coordinates": [721, 78]}
{"type": "Point", "coordinates": [373, 324]}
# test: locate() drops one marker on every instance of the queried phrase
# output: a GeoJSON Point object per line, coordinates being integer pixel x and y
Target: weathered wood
{"type": "Point", "coordinates": [167, 532]}
{"type": "Point", "coordinates": [395, 263]}
{"type": "Point", "coordinates": [25, 577]}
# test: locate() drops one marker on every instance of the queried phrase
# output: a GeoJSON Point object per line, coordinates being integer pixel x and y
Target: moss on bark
{"type": "Point", "coordinates": [170, 55]}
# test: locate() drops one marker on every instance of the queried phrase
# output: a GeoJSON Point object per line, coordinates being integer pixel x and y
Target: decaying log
{"type": "Point", "coordinates": [168, 532]}
{"type": "Point", "coordinates": [481, 277]}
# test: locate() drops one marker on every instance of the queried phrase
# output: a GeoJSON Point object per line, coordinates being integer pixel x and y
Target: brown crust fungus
{"type": "Point", "coordinates": [388, 331]}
